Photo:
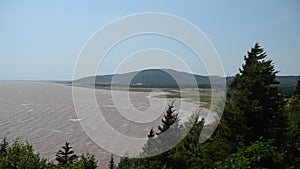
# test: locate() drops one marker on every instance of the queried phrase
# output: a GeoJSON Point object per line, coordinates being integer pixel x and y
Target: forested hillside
{"type": "Point", "coordinates": [167, 78]}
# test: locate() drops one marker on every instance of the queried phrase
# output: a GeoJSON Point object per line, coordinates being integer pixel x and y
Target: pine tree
{"type": "Point", "coordinates": [298, 87]}
{"type": "Point", "coordinates": [188, 152]}
{"type": "Point", "coordinates": [21, 155]}
{"type": "Point", "coordinates": [3, 146]}
{"type": "Point", "coordinates": [111, 163]}
{"type": "Point", "coordinates": [151, 147]}
{"type": "Point", "coordinates": [170, 117]}
{"type": "Point", "coordinates": [125, 163]}
{"type": "Point", "coordinates": [87, 161]}
{"type": "Point", "coordinates": [166, 135]}
{"type": "Point", "coordinates": [66, 155]}
{"type": "Point", "coordinates": [255, 105]}
{"type": "Point", "coordinates": [293, 141]}
{"type": "Point", "coordinates": [169, 132]}
{"type": "Point", "coordinates": [151, 133]}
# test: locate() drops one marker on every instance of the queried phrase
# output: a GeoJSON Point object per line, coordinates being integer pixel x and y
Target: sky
{"type": "Point", "coordinates": [41, 40]}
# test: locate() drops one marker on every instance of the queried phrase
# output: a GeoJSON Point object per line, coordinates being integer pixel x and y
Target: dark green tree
{"type": "Point", "coordinates": [151, 133]}
{"type": "Point", "coordinates": [298, 87]}
{"type": "Point", "coordinates": [170, 117]}
{"type": "Point", "coordinates": [3, 146]}
{"type": "Point", "coordinates": [293, 141]}
{"type": "Point", "coordinates": [21, 155]}
{"type": "Point", "coordinates": [187, 154]}
{"type": "Point", "coordinates": [169, 132]}
{"type": "Point", "coordinates": [66, 155]}
{"type": "Point", "coordinates": [260, 154]}
{"type": "Point", "coordinates": [256, 107]}
{"type": "Point", "coordinates": [111, 163]}
{"type": "Point", "coordinates": [151, 147]}
{"type": "Point", "coordinates": [86, 162]}
{"type": "Point", "coordinates": [125, 163]}
{"type": "Point", "coordinates": [254, 111]}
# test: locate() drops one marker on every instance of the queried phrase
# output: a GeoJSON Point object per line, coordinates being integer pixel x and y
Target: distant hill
{"type": "Point", "coordinates": [167, 78]}
{"type": "Point", "coordinates": [288, 84]}
{"type": "Point", "coordinates": [154, 78]}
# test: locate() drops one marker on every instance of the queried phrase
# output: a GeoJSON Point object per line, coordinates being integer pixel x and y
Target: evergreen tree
{"type": "Point", "coordinates": [125, 163]}
{"type": "Point", "coordinates": [151, 147]}
{"type": "Point", "coordinates": [168, 133]}
{"type": "Point", "coordinates": [86, 162]}
{"type": "Point", "coordinates": [170, 117]}
{"type": "Point", "coordinates": [293, 141]}
{"type": "Point", "coordinates": [151, 133]}
{"type": "Point", "coordinates": [298, 87]}
{"type": "Point", "coordinates": [260, 154]}
{"type": "Point", "coordinates": [21, 155]}
{"type": "Point", "coordinates": [256, 107]}
{"type": "Point", "coordinates": [3, 146]}
{"type": "Point", "coordinates": [111, 163]}
{"type": "Point", "coordinates": [66, 155]}
{"type": "Point", "coordinates": [188, 153]}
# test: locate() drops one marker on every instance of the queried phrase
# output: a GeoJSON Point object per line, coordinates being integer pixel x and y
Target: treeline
{"type": "Point", "coordinates": [20, 155]}
{"type": "Point", "coordinates": [260, 128]}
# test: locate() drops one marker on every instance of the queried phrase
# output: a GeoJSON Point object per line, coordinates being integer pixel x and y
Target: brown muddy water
{"type": "Point", "coordinates": [44, 115]}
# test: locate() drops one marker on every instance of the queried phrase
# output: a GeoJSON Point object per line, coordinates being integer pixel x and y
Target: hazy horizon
{"type": "Point", "coordinates": [42, 40]}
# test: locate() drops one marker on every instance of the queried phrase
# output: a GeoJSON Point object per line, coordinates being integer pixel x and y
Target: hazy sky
{"type": "Point", "coordinates": [40, 40]}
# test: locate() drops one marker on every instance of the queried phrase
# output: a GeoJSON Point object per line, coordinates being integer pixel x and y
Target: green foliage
{"type": "Point", "coordinates": [260, 154]}
{"type": "Point", "coordinates": [111, 163]}
{"type": "Point", "coordinates": [21, 155]}
{"type": "Point", "coordinates": [87, 162]}
{"type": "Point", "coordinates": [293, 141]}
{"type": "Point", "coordinates": [188, 152]}
{"type": "Point", "coordinates": [65, 156]}
{"type": "Point", "coordinates": [256, 107]}
{"type": "Point", "coordinates": [151, 147]}
{"type": "Point", "coordinates": [183, 155]}
{"type": "Point", "coordinates": [3, 147]}
{"type": "Point", "coordinates": [167, 135]}
{"type": "Point", "coordinates": [125, 163]}
{"type": "Point", "coordinates": [169, 132]}
{"type": "Point", "coordinates": [170, 117]}
{"type": "Point", "coordinates": [151, 133]}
